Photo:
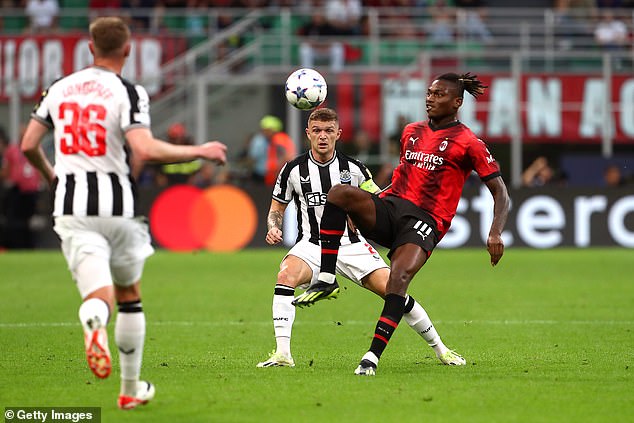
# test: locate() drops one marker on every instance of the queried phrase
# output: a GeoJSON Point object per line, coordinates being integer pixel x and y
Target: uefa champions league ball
{"type": "Point", "coordinates": [306, 89]}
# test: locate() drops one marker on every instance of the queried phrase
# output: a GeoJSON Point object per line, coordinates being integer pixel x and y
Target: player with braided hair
{"type": "Point", "coordinates": [414, 214]}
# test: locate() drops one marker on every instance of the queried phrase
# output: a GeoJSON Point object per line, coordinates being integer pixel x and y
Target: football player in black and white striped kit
{"type": "Point", "coordinates": [98, 118]}
{"type": "Point", "coordinates": [306, 181]}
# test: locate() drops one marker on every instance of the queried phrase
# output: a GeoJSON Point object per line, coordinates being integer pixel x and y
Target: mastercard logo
{"type": "Point", "coordinates": [187, 218]}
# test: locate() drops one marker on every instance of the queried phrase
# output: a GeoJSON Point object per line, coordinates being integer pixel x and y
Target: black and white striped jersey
{"type": "Point", "coordinates": [306, 182]}
{"type": "Point", "coordinates": [89, 112]}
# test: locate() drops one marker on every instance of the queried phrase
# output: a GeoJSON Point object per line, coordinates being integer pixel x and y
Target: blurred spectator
{"type": "Point", "coordinates": [22, 182]}
{"type": "Point", "coordinates": [441, 29]}
{"type": "Point", "coordinates": [196, 21]}
{"type": "Point", "coordinates": [209, 175]}
{"type": "Point", "coordinates": [42, 15]}
{"type": "Point", "coordinates": [344, 16]}
{"type": "Point", "coordinates": [178, 173]}
{"type": "Point", "coordinates": [613, 177]}
{"type": "Point", "coordinates": [316, 45]}
{"type": "Point", "coordinates": [540, 173]}
{"type": "Point", "coordinates": [474, 27]}
{"type": "Point", "coordinates": [611, 33]}
{"type": "Point", "coordinates": [269, 150]}
{"type": "Point", "coordinates": [139, 13]}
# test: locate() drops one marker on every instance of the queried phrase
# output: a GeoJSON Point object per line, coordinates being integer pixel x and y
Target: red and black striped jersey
{"type": "Point", "coordinates": [434, 166]}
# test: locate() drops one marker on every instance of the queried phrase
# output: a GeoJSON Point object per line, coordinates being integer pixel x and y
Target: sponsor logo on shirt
{"type": "Point", "coordinates": [423, 160]}
{"type": "Point", "coordinates": [315, 199]}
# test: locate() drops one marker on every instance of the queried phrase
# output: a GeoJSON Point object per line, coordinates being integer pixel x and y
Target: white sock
{"type": "Point", "coordinates": [129, 335]}
{"type": "Point", "coordinates": [326, 277]}
{"type": "Point", "coordinates": [420, 322]}
{"type": "Point", "coordinates": [283, 317]}
{"type": "Point", "coordinates": [93, 314]}
{"type": "Point", "coordinates": [370, 356]}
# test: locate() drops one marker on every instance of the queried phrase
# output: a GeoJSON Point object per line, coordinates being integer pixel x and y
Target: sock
{"type": "Point", "coordinates": [387, 324]}
{"type": "Point", "coordinates": [93, 314]}
{"type": "Point", "coordinates": [417, 318]}
{"type": "Point", "coordinates": [283, 317]}
{"type": "Point", "coordinates": [129, 334]}
{"type": "Point", "coordinates": [333, 224]}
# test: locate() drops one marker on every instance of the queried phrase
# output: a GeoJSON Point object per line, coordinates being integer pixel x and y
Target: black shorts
{"type": "Point", "coordinates": [400, 222]}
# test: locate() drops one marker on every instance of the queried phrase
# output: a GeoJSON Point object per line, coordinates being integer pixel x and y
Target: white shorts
{"type": "Point", "coordinates": [120, 246]}
{"type": "Point", "coordinates": [355, 261]}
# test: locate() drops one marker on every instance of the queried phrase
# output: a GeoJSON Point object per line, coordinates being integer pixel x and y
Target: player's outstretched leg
{"type": "Point", "coordinates": [417, 318]}
{"type": "Point", "coordinates": [93, 315]}
{"type": "Point", "coordinates": [320, 290]}
{"type": "Point", "coordinates": [333, 225]}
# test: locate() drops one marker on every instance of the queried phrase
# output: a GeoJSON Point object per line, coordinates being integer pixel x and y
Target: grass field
{"type": "Point", "coordinates": [548, 336]}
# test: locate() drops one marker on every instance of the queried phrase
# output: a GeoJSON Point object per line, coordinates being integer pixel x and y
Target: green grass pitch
{"type": "Point", "coordinates": [548, 336]}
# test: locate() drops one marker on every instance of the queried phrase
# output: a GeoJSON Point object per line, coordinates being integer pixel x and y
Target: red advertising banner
{"type": "Point", "coordinates": [36, 61]}
{"type": "Point", "coordinates": [552, 108]}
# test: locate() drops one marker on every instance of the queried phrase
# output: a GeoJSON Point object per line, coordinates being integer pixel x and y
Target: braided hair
{"type": "Point", "coordinates": [465, 82]}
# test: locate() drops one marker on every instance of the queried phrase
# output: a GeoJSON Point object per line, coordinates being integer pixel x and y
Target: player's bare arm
{"type": "Point", "coordinates": [274, 222]}
{"type": "Point", "coordinates": [150, 149]}
{"type": "Point", "coordinates": [501, 201]}
{"type": "Point", "coordinates": [32, 149]}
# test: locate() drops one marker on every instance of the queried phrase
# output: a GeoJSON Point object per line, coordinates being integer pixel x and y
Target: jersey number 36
{"type": "Point", "coordinates": [84, 130]}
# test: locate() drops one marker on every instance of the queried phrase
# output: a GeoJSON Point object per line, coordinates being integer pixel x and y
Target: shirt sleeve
{"type": "Point", "coordinates": [41, 110]}
{"type": "Point", "coordinates": [283, 189]}
{"type": "Point", "coordinates": [483, 161]}
{"type": "Point", "coordinates": [136, 111]}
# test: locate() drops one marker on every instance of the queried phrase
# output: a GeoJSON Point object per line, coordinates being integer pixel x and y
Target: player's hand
{"type": "Point", "coordinates": [274, 236]}
{"type": "Point", "coordinates": [495, 246]}
{"type": "Point", "coordinates": [214, 151]}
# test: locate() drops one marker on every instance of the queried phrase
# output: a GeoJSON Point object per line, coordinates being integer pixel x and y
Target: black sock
{"type": "Point", "coordinates": [388, 322]}
{"type": "Point", "coordinates": [333, 224]}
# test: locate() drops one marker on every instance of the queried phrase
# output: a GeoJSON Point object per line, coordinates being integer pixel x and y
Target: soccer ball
{"type": "Point", "coordinates": [306, 89]}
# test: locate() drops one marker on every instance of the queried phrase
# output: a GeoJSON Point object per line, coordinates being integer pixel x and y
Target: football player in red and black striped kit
{"type": "Point", "coordinates": [414, 214]}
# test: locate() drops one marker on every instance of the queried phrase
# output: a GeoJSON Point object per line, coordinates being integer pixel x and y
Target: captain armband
{"type": "Point", "coordinates": [370, 186]}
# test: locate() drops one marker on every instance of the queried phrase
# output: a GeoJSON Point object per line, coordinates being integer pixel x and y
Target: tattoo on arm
{"type": "Point", "coordinates": [274, 220]}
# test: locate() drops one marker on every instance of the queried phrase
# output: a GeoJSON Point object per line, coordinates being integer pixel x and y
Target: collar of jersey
{"type": "Point", "coordinates": [449, 125]}
{"type": "Point", "coordinates": [312, 159]}
{"type": "Point", "coordinates": [102, 68]}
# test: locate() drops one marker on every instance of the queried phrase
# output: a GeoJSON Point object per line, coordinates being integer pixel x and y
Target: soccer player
{"type": "Point", "coordinates": [305, 181]}
{"type": "Point", "coordinates": [413, 215]}
{"type": "Point", "coordinates": [97, 117]}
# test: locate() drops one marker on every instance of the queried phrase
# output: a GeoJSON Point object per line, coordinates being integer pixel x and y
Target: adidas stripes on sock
{"type": "Point", "coordinates": [333, 225]}
{"type": "Point", "coordinates": [129, 334]}
{"type": "Point", "coordinates": [283, 317]}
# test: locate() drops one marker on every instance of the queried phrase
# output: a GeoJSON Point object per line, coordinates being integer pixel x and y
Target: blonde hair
{"type": "Point", "coordinates": [109, 35]}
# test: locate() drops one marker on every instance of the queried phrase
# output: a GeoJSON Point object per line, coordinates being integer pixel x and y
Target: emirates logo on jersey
{"type": "Point", "coordinates": [420, 159]}
{"type": "Point", "coordinates": [345, 176]}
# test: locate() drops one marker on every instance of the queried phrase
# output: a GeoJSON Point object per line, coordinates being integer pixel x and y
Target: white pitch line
{"type": "Point", "coordinates": [7, 325]}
